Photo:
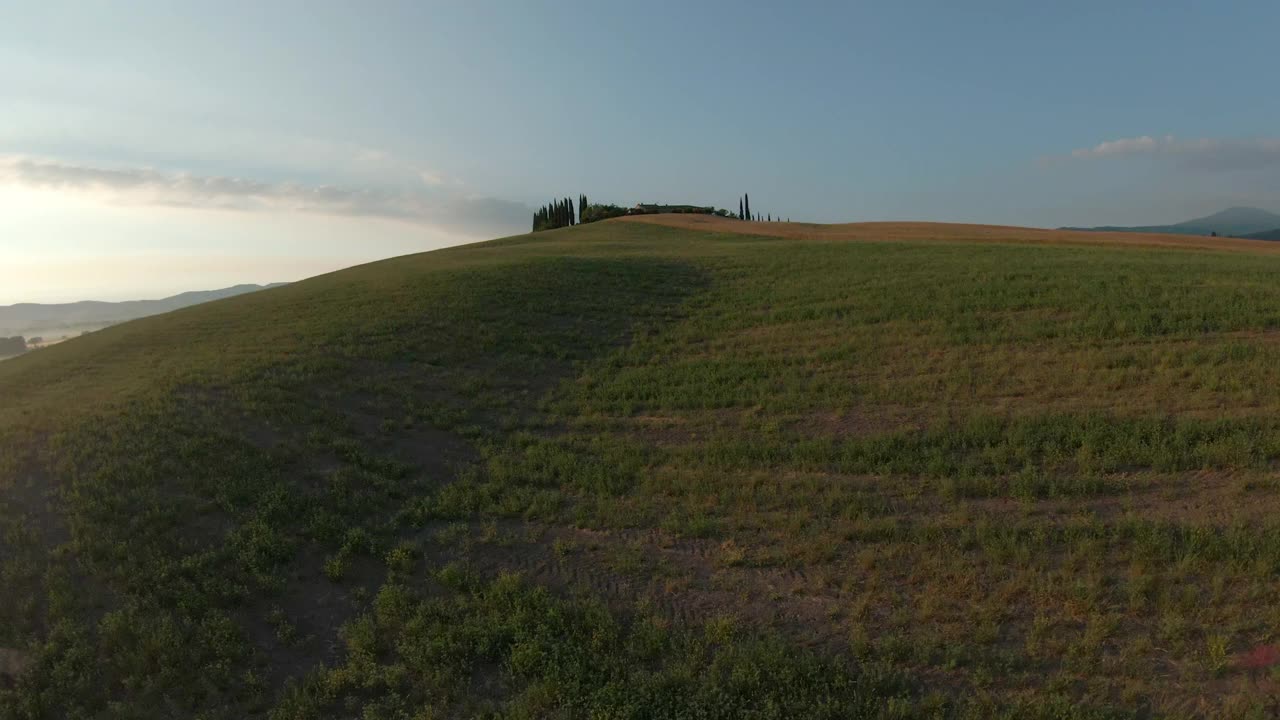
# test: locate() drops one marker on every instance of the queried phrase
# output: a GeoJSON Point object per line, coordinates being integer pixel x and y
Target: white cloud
{"type": "Point", "coordinates": [1199, 154]}
{"type": "Point", "coordinates": [471, 215]}
{"type": "Point", "coordinates": [1124, 146]}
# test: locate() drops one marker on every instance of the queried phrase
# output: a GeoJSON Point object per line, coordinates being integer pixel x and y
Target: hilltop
{"type": "Point", "coordinates": [33, 318]}
{"type": "Point", "coordinates": [663, 466]}
{"type": "Point", "coordinates": [1232, 222]}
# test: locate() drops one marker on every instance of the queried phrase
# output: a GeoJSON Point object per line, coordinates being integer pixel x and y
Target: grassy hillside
{"type": "Point", "coordinates": [636, 470]}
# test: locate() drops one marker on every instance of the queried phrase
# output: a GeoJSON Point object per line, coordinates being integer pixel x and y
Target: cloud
{"type": "Point", "coordinates": [1124, 146]}
{"type": "Point", "coordinates": [424, 204]}
{"type": "Point", "coordinates": [1203, 154]}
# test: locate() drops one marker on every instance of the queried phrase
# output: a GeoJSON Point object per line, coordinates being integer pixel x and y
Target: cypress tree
{"type": "Point", "coordinates": [746, 201]}
{"type": "Point", "coordinates": [573, 216]}
{"type": "Point", "coordinates": [742, 215]}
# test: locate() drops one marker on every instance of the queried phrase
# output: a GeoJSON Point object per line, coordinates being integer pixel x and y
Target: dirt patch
{"type": "Point", "coordinates": [863, 422]}
{"type": "Point", "coordinates": [297, 630]}
{"type": "Point", "coordinates": [1206, 497]}
{"type": "Point", "coordinates": [12, 664]}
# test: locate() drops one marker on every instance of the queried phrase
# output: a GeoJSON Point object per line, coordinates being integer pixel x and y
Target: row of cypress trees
{"type": "Point", "coordinates": [744, 211]}
{"type": "Point", "coordinates": [562, 213]}
{"type": "Point", "coordinates": [557, 214]}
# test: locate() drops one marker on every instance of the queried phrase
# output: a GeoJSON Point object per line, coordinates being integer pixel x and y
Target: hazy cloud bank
{"type": "Point", "coordinates": [1202, 154]}
{"type": "Point", "coordinates": [428, 204]}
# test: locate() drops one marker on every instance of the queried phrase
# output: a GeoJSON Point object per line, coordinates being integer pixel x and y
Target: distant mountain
{"type": "Point", "coordinates": [1268, 235]}
{"type": "Point", "coordinates": [1232, 222]}
{"type": "Point", "coordinates": [34, 318]}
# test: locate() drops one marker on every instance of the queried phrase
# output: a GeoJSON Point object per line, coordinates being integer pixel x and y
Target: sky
{"type": "Point", "coordinates": [153, 147]}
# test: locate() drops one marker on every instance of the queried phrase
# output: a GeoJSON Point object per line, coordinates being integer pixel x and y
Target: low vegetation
{"type": "Point", "coordinates": [634, 470]}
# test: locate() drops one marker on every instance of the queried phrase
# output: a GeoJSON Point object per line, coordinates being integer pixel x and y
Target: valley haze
{"type": "Point", "coordinates": [53, 320]}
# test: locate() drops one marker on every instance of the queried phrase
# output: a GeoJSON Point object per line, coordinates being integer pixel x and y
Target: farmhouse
{"type": "Point", "coordinates": [646, 209]}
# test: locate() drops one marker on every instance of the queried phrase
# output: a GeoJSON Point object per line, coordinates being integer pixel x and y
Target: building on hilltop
{"type": "Point", "coordinates": [647, 209]}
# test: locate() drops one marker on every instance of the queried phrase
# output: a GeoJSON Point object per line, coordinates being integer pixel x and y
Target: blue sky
{"type": "Point", "coordinates": [154, 147]}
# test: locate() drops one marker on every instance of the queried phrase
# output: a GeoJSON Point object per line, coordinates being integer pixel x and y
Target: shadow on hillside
{"type": "Point", "coordinates": [273, 498]}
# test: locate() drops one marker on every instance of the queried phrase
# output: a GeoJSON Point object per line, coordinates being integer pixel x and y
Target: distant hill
{"type": "Point", "coordinates": [1268, 235]}
{"type": "Point", "coordinates": [36, 318]}
{"type": "Point", "coordinates": [1232, 222]}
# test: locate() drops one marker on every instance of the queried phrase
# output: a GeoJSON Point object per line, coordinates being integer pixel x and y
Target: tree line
{"type": "Point", "coordinates": [12, 346]}
{"type": "Point", "coordinates": [744, 212]}
{"type": "Point", "coordinates": [564, 212]}
{"type": "Point", "coordinates": [555, 214]}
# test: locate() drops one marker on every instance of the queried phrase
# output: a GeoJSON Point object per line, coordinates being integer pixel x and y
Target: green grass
{"type": "Point", "coordinates": [623, 470]}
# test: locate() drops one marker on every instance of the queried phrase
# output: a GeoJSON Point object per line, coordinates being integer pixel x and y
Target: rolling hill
{"type": "Point", "coordinates": [672, 466]}
{"type": "Point", "coordinates": [1268, 235]}
{"type": "Point", "coordinates": [37, 318]}
{"type": "Point", "coordinates": [1232, 222]}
